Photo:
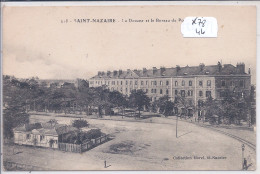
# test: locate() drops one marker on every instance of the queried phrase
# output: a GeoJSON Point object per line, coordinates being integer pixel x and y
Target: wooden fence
{"type": "Point", "coordinates": [86, 146]}
{"type": "Point", "coordinates": [70, 147]}
{"type": "Point", "coordinates": [79, 148]}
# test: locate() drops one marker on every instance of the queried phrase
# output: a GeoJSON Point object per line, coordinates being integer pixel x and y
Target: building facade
{"type": "Point", "coordinates": [195, 83]}
{"type": "Point", "coordinates": [42, 134]}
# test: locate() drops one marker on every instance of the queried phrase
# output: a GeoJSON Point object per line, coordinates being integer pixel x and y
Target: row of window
{"type": "Point", "coordinates": [153, 83]}
{"type": "Point", "coordinates": [225, 94]}
{"type": "Point", "coordinates": [239, 83]}
{"type": "Point", "coordinates": [153, 91]}
{"type": "Point", "coordinates": [190, 83]}
{"type": "Point", "coordinates": [182, 92]}
{"type": "Point", "coordinates": [190, 93]}
{"type": "Point", "coordinates": [130, 83]}
{"type": "Point", "coordinates": [42, 137]}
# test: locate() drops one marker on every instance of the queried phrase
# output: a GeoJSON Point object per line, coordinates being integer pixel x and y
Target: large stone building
{"type": "Point", "coordinates": [195, 83]}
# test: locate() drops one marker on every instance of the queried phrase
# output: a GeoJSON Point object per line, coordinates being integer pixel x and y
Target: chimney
{"type": "Point", "coordinates": [249, 71]}
{"type": "Point", "coordinates": [108, 73]}
{"type": "Point", "coordinates": [115, 73]}
{"type": "Point", "coordinates": [202, 65]}
{"type": "Point", "coordinates": [154, 70]}
{"type": "Point", "coordinates": [99, 73]}
{"type": "Point", "coordinates": [162, 71]}
{"type": "Point", "coordinates": [102, 73]}
{"type": "Point", "coordinates": [178, 68]}
{"type": "Point", "coordinates": [241, 68]}
{"type": "Point", "coordinates": [120, 72]}
{"type": "Point", "coordinates": [219, 67]}
{"type": "Point", "coordinates": [144, 70]}
{"type": "Point", "coordinates": [128, 71]}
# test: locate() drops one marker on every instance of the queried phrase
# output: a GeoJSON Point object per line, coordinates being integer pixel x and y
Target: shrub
{"type": "Point", "coordinates": [80, 123]}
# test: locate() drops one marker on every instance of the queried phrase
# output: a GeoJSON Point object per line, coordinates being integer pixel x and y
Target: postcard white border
{"type": "Point", "coordinates": [150, 3]}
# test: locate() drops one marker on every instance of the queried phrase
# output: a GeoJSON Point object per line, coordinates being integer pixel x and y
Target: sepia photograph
{"type": "Point", "coordinates": [157, 88]}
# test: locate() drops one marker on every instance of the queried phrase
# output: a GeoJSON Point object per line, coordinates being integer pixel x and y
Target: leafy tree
{"type": "Point", "coordinates": [184, 103]}
{"type": "Point", "coordinates": [56, 99]}
{"type": "Point", "coordinates": [169, 106]}
{"type": "Point", "coordinates": [234, 107]}
{"type": "Point", "coordinates": [15, 98]}
{"type": "Point", "coordinates": [164, 105]}
{"type": "Point", "coordinates": [251, 101]}
{"type": "Point", "coordinates": [100, 99]}
{"type": "Point", "coordinates": [53, 121]}
{"type": "Point", "coordinates": [138, 99]}
{"type": "Point", "coordinates": [82, 84]}
{"type": "Point", "coordinates": [86, 136]}
{"type": "Point", "coordinates": [117, 99]}
{"type": "Point", "coordinates": [212, 109]}
{"type": "Point", "coordinates": [80, 123]}
{"type": "Point", "coordinates": [83, 100]}
{"type": "Point", "coordinates": [81, 137]}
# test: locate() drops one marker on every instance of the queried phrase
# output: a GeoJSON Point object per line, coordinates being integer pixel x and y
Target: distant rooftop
{"type": "Point", "coordinates": [226, 69]}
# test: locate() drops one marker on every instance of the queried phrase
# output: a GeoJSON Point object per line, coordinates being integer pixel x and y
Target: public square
{"type": "Point", "coordinates": [148, 144]}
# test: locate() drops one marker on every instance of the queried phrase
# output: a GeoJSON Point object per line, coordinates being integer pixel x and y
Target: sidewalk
{"type": "Point", "coordinates": [244, 132]}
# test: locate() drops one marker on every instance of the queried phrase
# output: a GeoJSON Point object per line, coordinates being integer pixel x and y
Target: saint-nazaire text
{"type": "Point", "coordinates": [88, 20]}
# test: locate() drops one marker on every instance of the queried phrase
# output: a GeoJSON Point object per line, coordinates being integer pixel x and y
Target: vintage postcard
{"type": "Point", "coordinates": [129, 88]}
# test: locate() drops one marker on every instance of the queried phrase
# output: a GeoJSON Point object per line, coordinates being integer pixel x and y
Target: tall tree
{"type": "Point", "coordinates": [164, 105]}
{"type": "Point", "coordinates": [212, 109]}
{"type": "Point", "coordinates": [184, 103]}
{"type": "Point", "coordinates": [138, 99]}
{"type": "Point", "coordinates": [252, 106]}
{"type": "Point", "coordinates": [16, 96]}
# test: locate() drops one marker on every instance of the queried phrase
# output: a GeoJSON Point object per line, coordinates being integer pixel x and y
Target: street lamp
{"type": "Point", "coordinates": [243, 149]}
{"type": "Point", "coordinates": [177, 126]}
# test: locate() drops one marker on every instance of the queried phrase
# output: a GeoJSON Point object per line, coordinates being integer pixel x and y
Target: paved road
{"type": "Point", "coordinates": [146, 146]}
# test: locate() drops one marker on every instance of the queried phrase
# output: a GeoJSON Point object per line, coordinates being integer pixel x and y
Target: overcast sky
{"type": "Point", "coordinates": [36, 43]}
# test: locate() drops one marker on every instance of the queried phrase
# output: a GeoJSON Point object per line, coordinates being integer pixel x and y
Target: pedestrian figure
{"type": "Point", "coordinates": [105, 164]}
{"type": "Point", "coordinates": [246, 161]}
{"type": "Point", "coordinates": [245, 164]}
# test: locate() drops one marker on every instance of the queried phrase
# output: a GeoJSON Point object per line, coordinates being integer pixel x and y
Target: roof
{"type": "Point", "coordinates": [46, 129]}
{"type": "Point", "coordinates": [28, 127]}
{"type": "Point", "coordinates": [21, 129]}
{"type": "Point", "coordinates": [51, 132]}
{"type": "Point", "coordinates": [226, 69]}
{"type": "Point", "coordinates": [48, 125]}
